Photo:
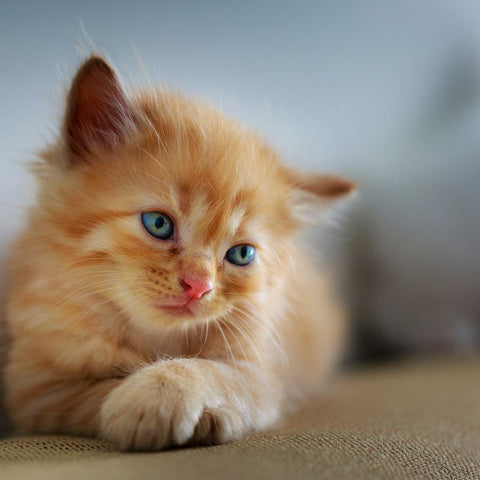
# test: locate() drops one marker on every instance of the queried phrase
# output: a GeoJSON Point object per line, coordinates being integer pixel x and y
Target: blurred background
{"type": "Point", "coordinates": [387, 93]}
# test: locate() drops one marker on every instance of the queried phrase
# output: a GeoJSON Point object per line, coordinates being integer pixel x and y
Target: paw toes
{"type": "Point", "coordinates": [184, 423]}
{"type": "Point", "coordinates": [218, 425]}
{"type": "Point", "coordinates": [227, 426]}
{"type": "Point", "coordinates": [150, 435]}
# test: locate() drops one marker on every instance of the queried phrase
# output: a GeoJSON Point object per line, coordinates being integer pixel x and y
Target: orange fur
{"type": "Point", "coordinates": [92, 351]}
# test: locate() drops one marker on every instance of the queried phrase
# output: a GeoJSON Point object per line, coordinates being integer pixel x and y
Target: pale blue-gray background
{"type": "Point", "coordinates": [385, 92]}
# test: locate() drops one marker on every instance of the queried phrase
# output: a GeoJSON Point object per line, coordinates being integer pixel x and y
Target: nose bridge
{"type": "Point", "coordinates": [199, 265]}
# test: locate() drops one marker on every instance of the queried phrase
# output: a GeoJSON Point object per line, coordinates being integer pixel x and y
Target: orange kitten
{"type": "Point", "coordinates": [159, 295]}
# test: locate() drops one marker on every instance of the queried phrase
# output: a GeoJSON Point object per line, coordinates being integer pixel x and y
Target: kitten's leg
{"type": "Point", "coordinates": [174, 402]}
{"type": "Point", "coordinates": [49, 402]}
{"type": "Point", "coordinates": [188, 401]}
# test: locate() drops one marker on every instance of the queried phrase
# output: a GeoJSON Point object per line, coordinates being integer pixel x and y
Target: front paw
{"type": "Point", "coordinates": [169, 405]}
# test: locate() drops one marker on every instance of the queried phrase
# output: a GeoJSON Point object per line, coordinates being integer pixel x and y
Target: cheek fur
{"type": "Point", "coordinates": [142, 265]}
{"type": "Point", "coordinates": [160, 280]}
{"type": "Point", "coordinates": [243, 282]}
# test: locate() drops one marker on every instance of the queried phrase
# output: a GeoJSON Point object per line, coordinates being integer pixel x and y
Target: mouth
{"type": "Point", "coordinates": [181, 308]}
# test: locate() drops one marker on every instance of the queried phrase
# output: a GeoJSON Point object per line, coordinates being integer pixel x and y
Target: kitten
{"type": "Point", "coordinates": [159, 296]}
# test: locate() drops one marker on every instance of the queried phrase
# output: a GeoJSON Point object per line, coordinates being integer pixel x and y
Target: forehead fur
{"type": "Point", "coordinates": [210, 163]}
{"type": "Point", "coordinates": [199, 146]}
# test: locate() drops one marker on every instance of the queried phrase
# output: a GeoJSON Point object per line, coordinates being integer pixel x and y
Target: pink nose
{"type": "Point", "coordinates": [196, 287]}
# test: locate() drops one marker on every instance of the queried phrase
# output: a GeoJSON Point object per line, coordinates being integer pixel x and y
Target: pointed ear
{"type": "Point", "coordinates": [98, 112]}
{"type": "Point", "coordinates": [313, 192]}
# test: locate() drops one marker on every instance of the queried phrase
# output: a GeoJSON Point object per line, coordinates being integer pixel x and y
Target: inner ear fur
{"type": "Point", "coordinates": [98, 112]}
{"type": "Point", "coordinates": [311, 192]}
{"type": "Point", "coordinates": [326, 187]}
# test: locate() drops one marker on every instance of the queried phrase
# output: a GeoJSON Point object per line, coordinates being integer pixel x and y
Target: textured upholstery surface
{"type": "Point", "coordinates": [410, 421]}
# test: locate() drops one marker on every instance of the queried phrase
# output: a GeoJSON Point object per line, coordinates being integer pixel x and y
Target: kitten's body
{"type": "Point", "coordinates": [103, 342]}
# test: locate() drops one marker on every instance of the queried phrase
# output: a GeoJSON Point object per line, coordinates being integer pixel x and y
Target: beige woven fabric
{"type": "Point", "coordinates": [414, 421]}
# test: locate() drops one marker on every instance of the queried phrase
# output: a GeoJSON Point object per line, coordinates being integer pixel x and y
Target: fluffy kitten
{"type": "Point", "coordinates": [159, 295]}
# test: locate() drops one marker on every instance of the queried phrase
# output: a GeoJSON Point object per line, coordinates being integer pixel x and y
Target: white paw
{"type": "Point", "coordinates": [159, 407]}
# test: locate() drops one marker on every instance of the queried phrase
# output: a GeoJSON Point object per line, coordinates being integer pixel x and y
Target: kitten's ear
{"type": "Point", "coordinates": [98, 111]}
{"type": "Point", "coordinates": [313, 192]}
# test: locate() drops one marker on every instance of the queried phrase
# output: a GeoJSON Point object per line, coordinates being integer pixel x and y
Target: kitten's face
{"type": "Point", "coordinates": [185, 242]}
{"type": "Point", "coordinates": [171, 212]}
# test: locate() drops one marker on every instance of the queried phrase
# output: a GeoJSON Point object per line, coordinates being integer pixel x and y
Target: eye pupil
{"type": "Point", "coordinates": [244, 251]}
{"type": "Point", "coordinates": [159, 222]}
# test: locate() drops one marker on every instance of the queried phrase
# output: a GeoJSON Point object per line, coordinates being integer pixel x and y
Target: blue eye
{"type": "Point", "coordinates": [158, 224]}
{"type": "Point", "coordinates": [240, 255]}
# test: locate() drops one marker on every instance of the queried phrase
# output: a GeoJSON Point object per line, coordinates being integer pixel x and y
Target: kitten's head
{"type": "Point", "coordinates": [167, 209]}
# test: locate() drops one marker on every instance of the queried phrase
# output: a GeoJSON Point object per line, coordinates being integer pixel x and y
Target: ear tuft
{"type": "Point", "coordinates": [98, 112]}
